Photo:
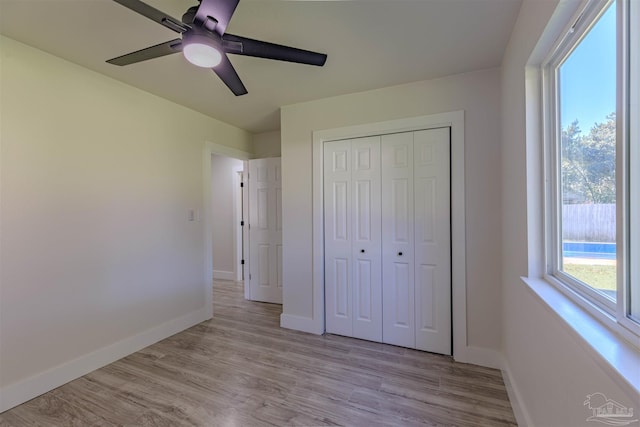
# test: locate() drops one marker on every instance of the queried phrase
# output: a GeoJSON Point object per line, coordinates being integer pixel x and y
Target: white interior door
{"type": "Point", "coordinates": [337, 240]}
{"type": "Point", "coordinates": [265, 230]}
{"type": "Point", "coordinates": [398, 240]}
{"type": "Point", "coordinates": [353, 293]}
{"type": "Point", "coordinates": [432, 186]}
{"type": "Point", "coordinates": [366, 239]}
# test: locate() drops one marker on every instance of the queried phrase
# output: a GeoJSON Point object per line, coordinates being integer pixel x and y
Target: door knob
{"type": "Point", "coordinates": [361, 251]}
{"type": "Point", "coordinates": [399, 253]}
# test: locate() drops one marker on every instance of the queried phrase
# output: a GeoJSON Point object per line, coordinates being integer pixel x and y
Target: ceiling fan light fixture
{"type": "Point", "coordinates": [201, 51]}
{"type": "Point", "coordinates": [202, 30]}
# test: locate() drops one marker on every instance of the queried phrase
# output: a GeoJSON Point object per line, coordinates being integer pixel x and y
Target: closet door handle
{"type": "Point", "coordinates": [399, 253]}
{"type": "Point", "coordinates": [361, 251]}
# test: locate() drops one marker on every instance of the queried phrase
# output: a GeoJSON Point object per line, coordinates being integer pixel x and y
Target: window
{"type": "Point", "coordinates": [593, 161]}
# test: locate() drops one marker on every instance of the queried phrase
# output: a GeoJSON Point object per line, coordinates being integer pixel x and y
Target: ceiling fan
{"type": "Point", "coordinates": [204, 42]}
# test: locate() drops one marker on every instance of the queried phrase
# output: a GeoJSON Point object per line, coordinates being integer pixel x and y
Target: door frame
{"type": "Point", "coordinates": [454, 120]}
{"type": "Point", "coordinates": [210, 148]}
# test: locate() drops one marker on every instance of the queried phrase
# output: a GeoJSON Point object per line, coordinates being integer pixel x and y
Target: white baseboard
{"type": "Point", "coordinates": [479, 356]}
{"type": "Point", "coordinates": [20, 392]}
{"type": "Point", "coordinates": [517, 404]}
{"type": "Point", "coordinates": [224, 275]}
{"type": "Point", "coordinates": [299, 323]}
{"type": "Point", "coordinates": [494, 359]}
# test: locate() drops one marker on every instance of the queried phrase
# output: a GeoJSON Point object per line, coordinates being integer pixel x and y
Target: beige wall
{"type": "Point", "coordinates": [478, 94]}
{"type": "Point", "coordinates": [549, 367]}
{"type": "Point", "coordinates": [97, 181]}
{"type": "Point", "coordinates": [266, 144]}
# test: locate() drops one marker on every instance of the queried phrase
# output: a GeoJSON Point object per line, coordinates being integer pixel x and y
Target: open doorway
{"type": "Point", "coordinates": [227, 217]}
{"type": "Point", "coordinates": [232, 205]}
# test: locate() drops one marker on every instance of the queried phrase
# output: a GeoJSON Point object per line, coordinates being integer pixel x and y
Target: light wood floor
{"type": "Point", "coordinates": [240, 368]}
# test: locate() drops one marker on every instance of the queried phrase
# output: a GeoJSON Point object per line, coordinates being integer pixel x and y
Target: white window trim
{"type": "Point", "coordinates": [629, 105]}
{"type": "Point", "coordinates": [584, 21]}
{"type": "Point", "coordinates": [613, 347]}
{"type": "Point", "coordinates": [610, 312]}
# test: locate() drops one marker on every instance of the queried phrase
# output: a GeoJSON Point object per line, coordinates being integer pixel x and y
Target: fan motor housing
{"type": "Point", "coordinates": [190, 15]}
{"type": "Point", "coordinates": [198, 36]}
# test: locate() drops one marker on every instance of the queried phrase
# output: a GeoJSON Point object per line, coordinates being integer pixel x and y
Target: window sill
{"type": "Point", "coordinates": [619, 358]}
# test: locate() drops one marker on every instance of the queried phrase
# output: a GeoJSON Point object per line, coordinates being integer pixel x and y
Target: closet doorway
{"type": "Point", "coordinates": [454, 341]}
{"type": "Point", "coordinates": [387, 238]}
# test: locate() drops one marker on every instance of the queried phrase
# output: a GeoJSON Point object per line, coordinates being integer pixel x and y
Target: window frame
{"type": "Point", "coordinates": [629, 132]}
{"type": "Point", "coordinates": [615, 314]}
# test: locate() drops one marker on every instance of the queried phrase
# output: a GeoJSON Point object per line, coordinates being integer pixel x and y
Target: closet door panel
{"type": "Point", "coordinates": [432, 240]}
{"type": "Point", "coordinates": [398, 240]}
{"type": "Point", "coordinates": [366, 240]}
{"type": "Point", "coordinates": [337, 230]}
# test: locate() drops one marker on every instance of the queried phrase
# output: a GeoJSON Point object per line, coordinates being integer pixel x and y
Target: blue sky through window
{"type": "Point", "coordinates": [588, 76]}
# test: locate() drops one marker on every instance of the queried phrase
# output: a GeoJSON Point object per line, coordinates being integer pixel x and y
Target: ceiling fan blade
{"type": "Point", "coordinates": [215, 14]}
{"type": "Point", "coordinates": [156, 51]}
{"type": "Point", "coordinates": [249, 47]}
{"type": "Point", "coordinates": [228, 75]}
{"type": "Point", "coordinates": [155, 15]}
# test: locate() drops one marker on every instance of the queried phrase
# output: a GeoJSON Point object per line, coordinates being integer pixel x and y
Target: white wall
{"type": "Point", "coordinates": [266, 144]}
{"type": "Point", "coordinates": [97, 256]}
{"type": "Point", "coordinates": [477, 93]}
{"type": "Point", "coordinates": [223, 180]}
{"type": "Point", "coordinates": [547, 365]}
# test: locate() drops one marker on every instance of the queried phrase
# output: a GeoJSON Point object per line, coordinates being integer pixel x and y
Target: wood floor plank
{"type": "Point", "coordinates": [53, 409]}
{"type": "Point", "coordinates": [241, 369]}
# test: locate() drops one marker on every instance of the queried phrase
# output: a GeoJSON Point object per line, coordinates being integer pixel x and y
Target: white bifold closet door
{"type": "Point", "coordinates": [416, 240]}
{"type": "Point", "coordinates": [352, 238]}
{"type": "Point", "coordinates": [387, 239]}
{"type": "Point", "coordinates": [398, 240]}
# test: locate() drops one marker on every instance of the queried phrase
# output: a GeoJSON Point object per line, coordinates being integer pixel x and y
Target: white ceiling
{"type": "Point", "coordinates": [370, 44]}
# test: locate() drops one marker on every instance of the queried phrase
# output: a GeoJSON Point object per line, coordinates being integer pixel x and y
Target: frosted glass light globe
{"type": "Point", "coordinates": [201, 54]}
